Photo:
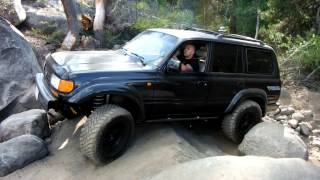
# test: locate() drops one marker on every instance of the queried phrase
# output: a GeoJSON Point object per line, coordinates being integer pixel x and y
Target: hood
{"type": "Point", "coordinates": [75, 61]}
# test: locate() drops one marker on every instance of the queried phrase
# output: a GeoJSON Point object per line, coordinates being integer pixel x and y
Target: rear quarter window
{"type": "Point", "coordinates": [260, 62]}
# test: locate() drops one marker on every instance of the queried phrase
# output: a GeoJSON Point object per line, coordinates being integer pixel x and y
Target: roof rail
{"type": "Point", "coordinates": [202, 30]}
{"type": "Point", "coordinates": [223, 35]}
{"type": "Point", "coordinates": [245, 38]}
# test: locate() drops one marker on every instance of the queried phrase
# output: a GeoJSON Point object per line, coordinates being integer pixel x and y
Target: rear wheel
{"type": "Point", "coordinates": [106, 134]}
{"type": "Point", "coordinates": [241, 120]}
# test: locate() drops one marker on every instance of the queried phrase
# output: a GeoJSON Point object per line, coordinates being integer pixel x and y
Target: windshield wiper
{"type": "Point", "coordinates": [125, 51]}
{"type": "Point", "coordinates": [141, 59]}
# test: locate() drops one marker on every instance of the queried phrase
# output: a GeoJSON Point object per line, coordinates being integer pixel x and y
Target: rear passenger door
{"type": "Point", "coordinates": [225, 76]}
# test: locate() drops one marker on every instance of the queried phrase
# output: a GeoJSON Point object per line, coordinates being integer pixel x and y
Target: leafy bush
{"type": "Point", "coordinates": [146, 23]}
{"type": "Point", "coordinates": [55, 38]}
{"type": "Point", "coordinates": [49, 32]}
{"type": "Point", "coordinates": [306, 54]}
{"type": "Point", "coordinates": [278, 40]}
{"type": "Point", "coordinates": [112, 38]}
{"type": "Point", "coordinates": [143, 6]}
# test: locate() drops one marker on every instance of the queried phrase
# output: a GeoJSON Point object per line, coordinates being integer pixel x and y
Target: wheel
{"type": "Point", "coordinates": [241, 120]}
{"type": "Point", "coordinates": [106, 134]}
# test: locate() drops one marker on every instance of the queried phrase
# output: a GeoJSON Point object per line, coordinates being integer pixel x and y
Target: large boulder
{"type": "Point", "coordinates": [20, 151]}
{"type": "Point", "coordinates": [18, 66]}
{"type": "Point", "coordinates": [45, 18]}
{"type": "Point", "coordinates": [248, 167]}
{"type": "Point", "coordinates": [13, 11]}
{"type": "Point", "coordinates": [33, 122]}
{"type": "Point", "coordinates": [274, 140]}
{"type": "Point", "coordinates": [22, 103]}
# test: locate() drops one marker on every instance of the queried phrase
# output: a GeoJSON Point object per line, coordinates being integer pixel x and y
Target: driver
{"type": "Point", "coordinates": [189, 63]}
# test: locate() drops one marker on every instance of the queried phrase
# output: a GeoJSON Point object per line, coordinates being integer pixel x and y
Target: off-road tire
{"type": "Point", "coordinates": [99, 129]}
{"type": "Point", "coordinates": [232, 123]}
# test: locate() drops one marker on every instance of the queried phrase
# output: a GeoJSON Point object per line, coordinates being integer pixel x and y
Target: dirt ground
{"type": "Point", "coordinates": [301, 98]}
{"type": "Point", "coordinates": [155, 147]}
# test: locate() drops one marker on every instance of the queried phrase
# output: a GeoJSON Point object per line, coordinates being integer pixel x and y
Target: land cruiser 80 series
{"type": "Point", "coordinates": [238, 79]}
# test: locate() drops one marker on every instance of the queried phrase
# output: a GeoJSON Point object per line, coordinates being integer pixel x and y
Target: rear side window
{"type": "Point", "coordinates": [259, 62]}
{"type": "Point", "coordinates": [227, 58]}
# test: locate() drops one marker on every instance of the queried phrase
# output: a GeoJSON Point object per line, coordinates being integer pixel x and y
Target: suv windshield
{"type": "Point", "coordinates": [151, 46]}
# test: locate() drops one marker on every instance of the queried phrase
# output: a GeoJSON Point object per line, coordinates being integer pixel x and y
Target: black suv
{"type": "Point", "coordinates": [238, 78]}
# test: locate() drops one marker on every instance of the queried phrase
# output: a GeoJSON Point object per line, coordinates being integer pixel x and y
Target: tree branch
{"type": "Point", "coordinates": [312, 73]}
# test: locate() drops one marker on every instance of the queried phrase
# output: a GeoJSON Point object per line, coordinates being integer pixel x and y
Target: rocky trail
{"type": "Point", "coordinates": [154, 148]}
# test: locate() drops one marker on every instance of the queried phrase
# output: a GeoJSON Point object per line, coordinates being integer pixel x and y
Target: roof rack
{"type": "Point", "coordinates": [223, 35]}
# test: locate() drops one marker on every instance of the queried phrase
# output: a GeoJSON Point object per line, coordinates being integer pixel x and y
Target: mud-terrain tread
{"type": "Point", "coordinates": [230, 121]}
{"type": "Point", "coordinates": [91, 130]}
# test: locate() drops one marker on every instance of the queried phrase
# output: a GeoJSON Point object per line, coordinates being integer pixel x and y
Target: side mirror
{"type": "Point", "coordinates": [173, 65]}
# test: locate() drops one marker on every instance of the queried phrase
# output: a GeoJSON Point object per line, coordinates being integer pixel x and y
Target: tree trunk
{"type": "Point", "coordinates": [99, 19]}
{"type": "Point", "coordinates": [257, 24]}
{"type": "Point", "coordinates": [258, 19]}
{"type": "Point", "coordinates": [233, 24]}
{"type": "Point", "coordinates": [233, 18]}
{"type": "Point", "coordinates": [318, 20]}
{"type": "Point", "coordinates": [70, 41]}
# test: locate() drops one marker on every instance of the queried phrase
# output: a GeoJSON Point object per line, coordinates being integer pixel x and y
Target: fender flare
{"type": "Point", "coordinates": [122, 90]}
{"type": "Point", "coordinates": [248, 94]}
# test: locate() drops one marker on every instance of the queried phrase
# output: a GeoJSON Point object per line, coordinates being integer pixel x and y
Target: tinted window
{"type": "Point", "coordinates": [259, 62]}
{"type": "Point", "coordinates": [226, 58]}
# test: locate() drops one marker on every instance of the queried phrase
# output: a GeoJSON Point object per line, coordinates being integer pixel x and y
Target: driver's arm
{"type": "Point", "coordinates": [186, 68]}
{"type": "Point", "coordinates": [175, 56]}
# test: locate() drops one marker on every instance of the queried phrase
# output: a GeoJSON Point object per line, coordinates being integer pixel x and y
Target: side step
{"type": "Point", "coordinates": [197, 118]}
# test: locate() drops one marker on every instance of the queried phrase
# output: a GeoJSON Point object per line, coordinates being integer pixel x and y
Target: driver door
{"type": "Point", "coordinates": [182, 94]}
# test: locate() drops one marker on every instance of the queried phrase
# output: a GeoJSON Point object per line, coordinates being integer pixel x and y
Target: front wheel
{"type": "Point", "coordinates": [106, 134]}
{"type": "Point", "coordinates": [241, 120]}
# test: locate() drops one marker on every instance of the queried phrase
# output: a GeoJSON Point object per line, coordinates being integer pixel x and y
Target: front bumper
{"type": "Point", "coordinates": [43, 94]}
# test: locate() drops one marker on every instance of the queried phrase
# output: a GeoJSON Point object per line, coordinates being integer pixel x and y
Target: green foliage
{"type": "Point", "coordinates": [293, 17]}
{"type": "Point", "coordinates": [111, 39]}
{"type": "Point", "coordinates": [143, 6]}
{"type": "Point", "coordinates": [49, 32]}
{"type": "Point", "coordinates": [146, 23]}
{"type": "Point", "coordinates": [306, 54]}
{"type": "Point", "coordinates": [55, 38]}
{"type": "Point", "coordinates": [162, 14]}
{"type": "Point", "coordinates": [245, 12]}
{"type": "Point", "coordinates": [277, 39]}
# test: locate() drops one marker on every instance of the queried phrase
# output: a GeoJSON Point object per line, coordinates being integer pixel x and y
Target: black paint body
{"type": "Point", "coordinates": [158, 94]}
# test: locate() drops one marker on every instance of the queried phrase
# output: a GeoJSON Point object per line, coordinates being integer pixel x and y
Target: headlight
{"type": "Point", "coordinates": [55, 81]}
{"type": "Point", "coordinates": [61, 85]}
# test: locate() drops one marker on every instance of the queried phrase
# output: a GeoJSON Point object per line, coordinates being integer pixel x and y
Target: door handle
{"type": "Point", "coordinates": [202, 83]}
